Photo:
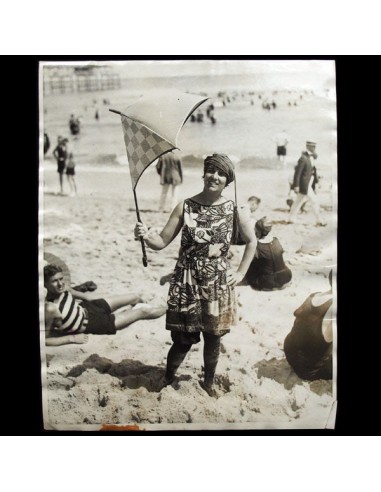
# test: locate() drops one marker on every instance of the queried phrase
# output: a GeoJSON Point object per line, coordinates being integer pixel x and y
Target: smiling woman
{"type": "Point", "coordinates": [201, 296]}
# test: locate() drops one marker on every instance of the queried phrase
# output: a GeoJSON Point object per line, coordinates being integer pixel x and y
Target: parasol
{"type": "Point", "coordinates": [151, 127]}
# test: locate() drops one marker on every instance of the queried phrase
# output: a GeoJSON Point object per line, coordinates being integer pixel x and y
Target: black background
{"type": "Point", "coordinates": [357, 92]}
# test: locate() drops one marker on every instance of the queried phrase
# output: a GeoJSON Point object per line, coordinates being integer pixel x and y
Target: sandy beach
{"type": "Point", "coordinates": [112, 382]}
{"type": "Point", "coordinates": [114, 379]}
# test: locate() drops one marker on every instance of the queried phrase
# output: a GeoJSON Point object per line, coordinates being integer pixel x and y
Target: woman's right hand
{"type": "Point", "coordinates": [140, 230]}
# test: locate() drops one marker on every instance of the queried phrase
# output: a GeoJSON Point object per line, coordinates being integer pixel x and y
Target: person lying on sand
{"type": "Point", "coordinates": [71, 315]}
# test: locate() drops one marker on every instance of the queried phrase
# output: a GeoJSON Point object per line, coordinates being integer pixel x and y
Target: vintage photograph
{"type": "Point", "coordinates": [188, 244]}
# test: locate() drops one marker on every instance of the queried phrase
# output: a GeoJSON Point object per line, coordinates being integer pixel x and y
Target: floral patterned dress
{"type": "Point", "coordinates": [199, 298]}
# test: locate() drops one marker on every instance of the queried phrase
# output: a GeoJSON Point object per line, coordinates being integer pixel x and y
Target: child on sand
{"type": "Point", "coordinates": [70, 173]}
{"type": "Point", "coordinates": [71, 315]}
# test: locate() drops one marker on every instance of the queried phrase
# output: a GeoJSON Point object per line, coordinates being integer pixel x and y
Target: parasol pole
{"type": "Point", "coordinates": [144, 259]}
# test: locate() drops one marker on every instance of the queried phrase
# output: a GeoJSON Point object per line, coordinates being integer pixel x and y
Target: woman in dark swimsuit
{"type": "Point", "coordinates": [308, 347]}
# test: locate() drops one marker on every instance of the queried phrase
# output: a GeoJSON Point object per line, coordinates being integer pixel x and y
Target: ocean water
{"type": "Point", "coordinates": [243, 129]}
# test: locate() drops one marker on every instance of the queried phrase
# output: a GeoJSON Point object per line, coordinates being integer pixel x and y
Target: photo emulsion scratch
{"type": "Point", "coordinates": [188, 244]}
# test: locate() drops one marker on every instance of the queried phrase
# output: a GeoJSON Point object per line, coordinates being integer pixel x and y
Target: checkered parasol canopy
{"type": "Point", "coordinates": [151, 127]}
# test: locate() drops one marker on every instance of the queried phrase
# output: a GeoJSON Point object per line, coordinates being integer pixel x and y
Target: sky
{"type": "Point", "coordinates": [157, 68]}
{"type": "Point", "coordinates": [224, 67]}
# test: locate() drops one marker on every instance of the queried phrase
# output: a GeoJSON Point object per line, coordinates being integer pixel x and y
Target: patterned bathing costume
{"type": "Point", "coordinates": [199, 298]}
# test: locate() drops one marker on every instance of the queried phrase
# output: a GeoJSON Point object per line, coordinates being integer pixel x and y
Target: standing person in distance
{"type": "Point", "coordinates": [303, 179]}
{"type": "Point", "coordinates": [70, 173]}
{"type": "Point", "coordinates": [169, 167]}
{"type": "Point", "coordinates": [281, 140]}
{"type": "Point", "coordinates": [60, 153]}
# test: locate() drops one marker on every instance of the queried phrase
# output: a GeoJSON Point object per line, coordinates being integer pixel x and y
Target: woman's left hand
{"type": "Point", "coordinates": [233, 278]}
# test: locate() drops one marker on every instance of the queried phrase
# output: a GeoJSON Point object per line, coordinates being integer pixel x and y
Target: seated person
{"type": "Point", "coordinates": [248, 213]}
{"type": "Point", "coordinates": [267, 270]}
{"type": "Point", "coordinates": [308, 347]}
{"type": "Point", "coordinates": [70, 315]}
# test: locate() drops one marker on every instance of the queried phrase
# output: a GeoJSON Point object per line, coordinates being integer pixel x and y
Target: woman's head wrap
{"type": "Point", "coordinates": [223, 163]}
{"type": "Point", "coordinates": [262, 227]}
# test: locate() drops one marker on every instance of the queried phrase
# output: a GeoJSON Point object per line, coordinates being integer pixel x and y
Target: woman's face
{"type": "Point", "coordinates": [214, 178]}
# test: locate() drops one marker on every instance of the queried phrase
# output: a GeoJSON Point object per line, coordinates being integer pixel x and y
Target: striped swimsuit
{"type": "Point", "coordinates": [74, 316]}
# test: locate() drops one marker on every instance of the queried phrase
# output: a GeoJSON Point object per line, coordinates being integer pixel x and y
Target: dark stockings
{"type": "Point", "coordinates": [178, 351]}
{"type": "Point", "coordinates": [176, 355]}
{"type": "Point", "coordinates": [211, 354]}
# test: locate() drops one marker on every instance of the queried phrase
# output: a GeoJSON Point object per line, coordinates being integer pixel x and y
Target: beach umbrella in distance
{"type": "Point", "coordinates": [151, 127]}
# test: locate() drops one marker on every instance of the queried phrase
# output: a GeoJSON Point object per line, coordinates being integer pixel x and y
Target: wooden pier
{"type": "Point", "coordinates": [60, 79]}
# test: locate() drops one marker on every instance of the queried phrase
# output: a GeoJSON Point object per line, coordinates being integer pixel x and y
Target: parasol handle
{"type": "Point", "coordinates": [144, 259]}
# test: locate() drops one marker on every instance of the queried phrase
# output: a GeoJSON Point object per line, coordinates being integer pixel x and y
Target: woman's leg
{"type": "Point", "coordinates": [211, 355]}
{"type": "Point", "coordinates": [175, 357]}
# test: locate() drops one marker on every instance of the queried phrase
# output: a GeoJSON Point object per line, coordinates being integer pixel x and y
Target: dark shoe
{"type": "Point", "coordinates": [210, 389]}
{"type": "Point", "coordinates": [167, 380]}
{"type": "Point", "coordinates": [164, 382]}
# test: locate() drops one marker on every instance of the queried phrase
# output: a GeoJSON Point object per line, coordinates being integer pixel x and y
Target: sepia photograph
{"type": "Point", "coordinates": [188, 244]}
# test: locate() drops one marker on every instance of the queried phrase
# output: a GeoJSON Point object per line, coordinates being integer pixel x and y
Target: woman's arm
{"type": "Point", "coordinates": [327, 325]}
{"type": "Point", "coordinates": [159, 241]}
{"type": "Point", "coordinates": [247, 234]}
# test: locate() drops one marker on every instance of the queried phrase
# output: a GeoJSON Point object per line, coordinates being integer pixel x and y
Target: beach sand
{"type": "Point", "coordinates": [113, 380]}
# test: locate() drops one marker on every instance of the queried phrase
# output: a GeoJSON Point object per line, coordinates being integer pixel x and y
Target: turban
{"type": "Point", "coordinates": [262, 227]}
{"type": "Point", "coordinates": [223, 163]}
